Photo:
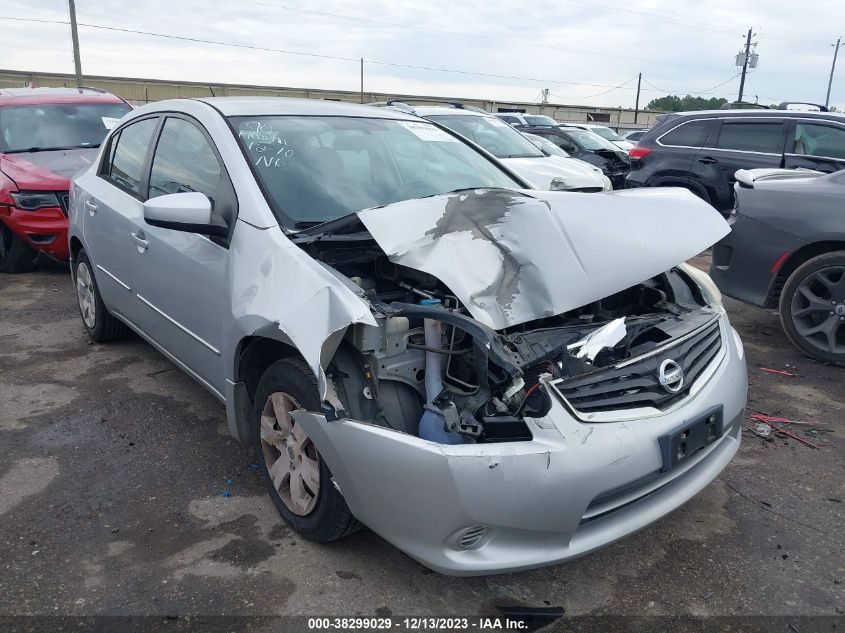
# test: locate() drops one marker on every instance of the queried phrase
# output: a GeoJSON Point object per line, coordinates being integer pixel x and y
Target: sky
{"type": "Point", "coordinates": [584, 52]}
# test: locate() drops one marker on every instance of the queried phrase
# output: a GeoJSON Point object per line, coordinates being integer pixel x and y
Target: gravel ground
{"type": "Point", "coordinates": [113, 462]}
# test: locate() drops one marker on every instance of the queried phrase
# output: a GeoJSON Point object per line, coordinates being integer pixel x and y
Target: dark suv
{"type": "Point", "coordinates": [703, 150]}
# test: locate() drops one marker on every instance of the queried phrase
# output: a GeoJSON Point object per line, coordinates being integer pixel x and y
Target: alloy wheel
{"type": "Point", "coordinates": [818, 309]}
{"type": "Point", "coordinates": [85, 294]}
{"type": "Point", "coordinates": [289, 454]}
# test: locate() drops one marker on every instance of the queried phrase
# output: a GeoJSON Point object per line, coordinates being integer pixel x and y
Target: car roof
{"type": "Point", "coordinates": [281, 106]}
{"type": "Point", "coordinates": [42, 96]}
{"type": "Point", "coordinates": [759, 113]}
{"type": "Point", "coordinates": [429, 110]}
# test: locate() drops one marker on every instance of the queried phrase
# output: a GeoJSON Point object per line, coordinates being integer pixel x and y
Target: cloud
{"type": "Point", "coordinates": [681, 48]}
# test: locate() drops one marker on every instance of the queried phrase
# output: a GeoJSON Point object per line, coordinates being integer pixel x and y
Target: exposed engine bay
{"type": "Point", "coordinates": [430, 369]}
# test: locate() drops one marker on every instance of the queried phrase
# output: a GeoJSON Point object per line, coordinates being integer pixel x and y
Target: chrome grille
{"type": "Point", "coordinates": [635, 384]}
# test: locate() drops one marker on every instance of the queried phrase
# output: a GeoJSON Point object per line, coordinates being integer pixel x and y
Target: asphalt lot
{"type": "Point", "coordinates": [113, 462]}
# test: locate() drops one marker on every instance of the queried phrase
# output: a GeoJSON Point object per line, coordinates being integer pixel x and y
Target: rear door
{"type": "Point", "coordinates": [816, 144]}
{"type": "Point", "coordinates": [113, 207]}
{"type": "Point", "coordinates": [740, 143]}
{"type": "Point", "coordinates": [181, 277]}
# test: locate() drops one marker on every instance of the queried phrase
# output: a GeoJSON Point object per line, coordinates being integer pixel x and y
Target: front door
{"type": "Point", "coordinates": [182, 282]}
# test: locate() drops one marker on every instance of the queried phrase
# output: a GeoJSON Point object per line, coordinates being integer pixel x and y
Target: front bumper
{"type": "Point", "coordinates": [45, 230]}
{"type": "Point", "coordinates": [573, 488]}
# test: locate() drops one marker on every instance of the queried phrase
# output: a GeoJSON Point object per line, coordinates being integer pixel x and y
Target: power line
{"type": "Point", "coordinates": [598, 94]}
{"type": "Point", "coordinates": [307, 54]}
{"type": "Point", "coordinates": [491, 38]}
{"type": "Point", "coordinates": [698, 92]}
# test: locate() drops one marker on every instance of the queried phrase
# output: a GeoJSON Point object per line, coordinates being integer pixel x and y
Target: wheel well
{"type": "Point", "coordinates": [796, 259]}
{"type": "Point", "coordinates": [255, 355]}
{"type": "Point", "coordinates": [75, 247]}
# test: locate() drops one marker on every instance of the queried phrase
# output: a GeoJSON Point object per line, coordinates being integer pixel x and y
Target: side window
{"type": "Point", "coordinates": [692, 134]}
{"type": "Point", "coordinates": [128, 152]}
{"type": "Point", "coordinates": [819, 140]}
{"type": "Point", "coordinates": [752, 137]}
{"type": "Point", "coordinates": [184, 161]}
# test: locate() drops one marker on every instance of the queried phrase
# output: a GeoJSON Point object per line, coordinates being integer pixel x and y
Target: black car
{"type": "Point", "coordinates": [590, 148]}
{"type": "Point", "coordinates": [786, 250]}
{"type": "Point", "coordinates": [702, 150]}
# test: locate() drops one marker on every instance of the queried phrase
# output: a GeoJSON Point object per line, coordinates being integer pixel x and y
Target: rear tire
{"type": "Point", "coordinates": [812, 308]}
{"type": "Point", "coordinates": [318, 511]}
{"type": "Point", "coordinates": [16, 256]}
{"type": "Point", "coordinates": [99, 323]}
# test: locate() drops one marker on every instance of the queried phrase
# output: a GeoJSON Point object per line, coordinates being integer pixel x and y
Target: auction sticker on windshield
{"type": "Point", "coordinates": [427, 132]}
{"type": "Point", "coordinates": [109, 121]}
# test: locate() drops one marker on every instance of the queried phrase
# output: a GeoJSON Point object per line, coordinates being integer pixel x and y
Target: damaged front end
{"type": "Point", "coordinates": [486, 420]}
{"type": "Point", "coordinates": [476, 329]}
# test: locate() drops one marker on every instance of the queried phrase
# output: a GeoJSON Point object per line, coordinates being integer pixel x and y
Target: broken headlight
{"type": "Point", "coordinates": [708, 287]}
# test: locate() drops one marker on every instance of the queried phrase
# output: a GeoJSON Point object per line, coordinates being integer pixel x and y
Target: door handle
{"type": "Point", "coordinates": [140, 241]}
{"type": "Point", "coordinates": [707, 160]}
{"type": "Point", "coordinates": [91, 206]}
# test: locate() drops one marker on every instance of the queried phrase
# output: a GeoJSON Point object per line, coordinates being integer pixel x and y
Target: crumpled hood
{"type": "Point", "coordinates": [540, 171]}
{"type": "Point", "coordinates": [515, 256]}
{"type": "Point", "coordinates": [47, 170]}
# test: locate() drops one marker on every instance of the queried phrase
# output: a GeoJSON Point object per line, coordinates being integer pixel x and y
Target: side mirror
{"type": "Point", "coordinates": [189, 211]}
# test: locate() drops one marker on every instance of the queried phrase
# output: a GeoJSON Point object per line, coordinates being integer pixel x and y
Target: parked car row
{"type": "Point", "coordinates": [542, 169]}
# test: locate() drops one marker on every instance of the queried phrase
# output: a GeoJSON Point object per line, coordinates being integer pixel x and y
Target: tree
{"type": "Point", "coordinates": [674, 103]}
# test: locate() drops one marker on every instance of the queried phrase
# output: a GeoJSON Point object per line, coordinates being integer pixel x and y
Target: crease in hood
{"type": "Point", "coordinates": [515, 256]}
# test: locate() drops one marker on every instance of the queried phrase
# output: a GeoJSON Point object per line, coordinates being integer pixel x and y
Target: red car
{"type": "Point", "coordinates": [47, 135]}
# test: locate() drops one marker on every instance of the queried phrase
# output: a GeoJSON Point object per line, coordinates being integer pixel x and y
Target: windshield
{"type": "Point", "coordinates": [540, 120]}
{"type": "Point", "coordinates": [496, 136]}
{"type": "Point", "coordinates": [56, 126]}
{"type": "Point", "coordinates": [546, 144]}
{"type": "Point", "coordinates": [606, 133]}
{"type": "Point", "coordinates": [314, 169]}
{"type": "Point", "coordinates": [588, 140]}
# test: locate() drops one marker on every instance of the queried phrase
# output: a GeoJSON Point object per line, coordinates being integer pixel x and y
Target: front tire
{"type": "Point", "coordinates": [16, 256]}
{"type": "Point", "coordinates": [296, 476]}
{"type": "Point", "coordinates": [99, 323]}
{"type": "Point", "coordinates": [812, 308]}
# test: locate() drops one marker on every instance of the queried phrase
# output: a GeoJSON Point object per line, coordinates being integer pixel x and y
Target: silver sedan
{"type": "Point", "coordinates": [489, 376]}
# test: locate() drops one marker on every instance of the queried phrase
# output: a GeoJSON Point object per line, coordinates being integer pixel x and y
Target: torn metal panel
{"type": "Point", "coordinates": [512, 257]}
{"type": "Point", "coordinates": [300, 295]}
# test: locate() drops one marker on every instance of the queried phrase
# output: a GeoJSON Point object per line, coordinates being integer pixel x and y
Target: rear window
{"type": "Point", "coordinates": [692, 134]}
{"type": "Point", "coordinates": [819, 140]}
{"type": "Point", "coordinates": [752, 137]}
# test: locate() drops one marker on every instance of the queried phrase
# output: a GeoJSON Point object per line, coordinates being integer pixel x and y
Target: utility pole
{"type": "Point", "coordinates": [362, 80]}
{"type": "Point", "coordinates": [745, 64]}
{"type": "Point", "coordinates": [637, 104]}
{"type": "Point", "coordinates": [832, 68]}
{"type": "Point", "coordinates": [74, 35]}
